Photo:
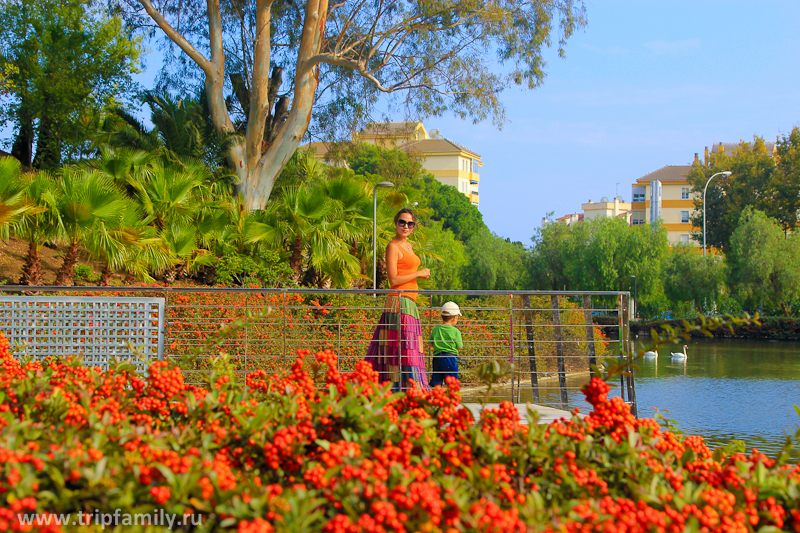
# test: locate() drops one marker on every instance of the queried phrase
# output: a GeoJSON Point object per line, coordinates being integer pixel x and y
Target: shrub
{"type": "Point", "coordinates": [282, 454]}
{"type": "Point", "coordinates": [84, 273]}
{"type": "Point", "coordinates": [264, 270]}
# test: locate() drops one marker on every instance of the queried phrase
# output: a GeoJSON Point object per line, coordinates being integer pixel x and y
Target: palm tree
{"type": "Point", "coordinates": [117, 243]}
{"type": "Point", "coordinates": [182, 129]}
{"type": "Point", "coordinates": [233, 228]}
{"type": "Point", "coordinates": [85, 200]}
{"type": "Point", "coordinates": [40, 225]}
{"type": "Point", "coordinates": [172, 193]}
{"type": "Point", "coordinates": [305, 220]}
{"type": "Point", "coordinates": [180, 241]}
{"type": "Point", "coordinates": [13, 203]}
{"type": "Point", "coordinates": [354, 209]}
{"type": "Point", "coordinates": [122, 165]}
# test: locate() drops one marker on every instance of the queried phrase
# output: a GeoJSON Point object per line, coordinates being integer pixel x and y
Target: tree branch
{"type": "Point", "coordinates": [176, 37]}
{"type": "Point", "coordinates": [259, 87]}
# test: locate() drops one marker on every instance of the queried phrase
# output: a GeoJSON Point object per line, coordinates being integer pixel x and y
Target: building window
{"type": "Point", "coordinates": [638, 197]}
{"type": "Point", "coordinates": [684, 193]}
{"type": "Point", "coordinates": [475, 165]}
{"type": "Point", "coordinates": [685, 217]}
{"type": "Point", "coordinates": [637, 222]}
{"type": "Point", "coordinates": [685, 238]}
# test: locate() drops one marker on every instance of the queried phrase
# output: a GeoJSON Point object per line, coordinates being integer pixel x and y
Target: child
{"type": "Point", "coordinates": [446, 341]}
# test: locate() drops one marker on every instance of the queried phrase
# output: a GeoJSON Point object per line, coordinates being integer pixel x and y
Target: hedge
{"type": "Point", "coordinates": [280, 453]}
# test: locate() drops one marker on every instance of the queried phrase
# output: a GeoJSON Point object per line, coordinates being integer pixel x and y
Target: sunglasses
{"type": "Point", "coordinates": [406, 223]}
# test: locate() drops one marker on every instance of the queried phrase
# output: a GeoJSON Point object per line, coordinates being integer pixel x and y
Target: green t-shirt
{"type": "Point", "coordinates": [446, 339]}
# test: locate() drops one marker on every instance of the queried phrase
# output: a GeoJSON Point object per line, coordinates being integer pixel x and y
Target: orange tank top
{"type": "Point", "coordinates": [407, 264]}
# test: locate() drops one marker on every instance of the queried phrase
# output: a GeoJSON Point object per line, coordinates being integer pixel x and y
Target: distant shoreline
{"type": "Point", "coordinates": [773, 328]}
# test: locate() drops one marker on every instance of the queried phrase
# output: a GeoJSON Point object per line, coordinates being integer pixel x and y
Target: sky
{"type": "Point", "coordinates": [647, 84]}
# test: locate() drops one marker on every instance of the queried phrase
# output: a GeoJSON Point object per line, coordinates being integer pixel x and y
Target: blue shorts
{"type": "Point", "coordinates": [444, 364]}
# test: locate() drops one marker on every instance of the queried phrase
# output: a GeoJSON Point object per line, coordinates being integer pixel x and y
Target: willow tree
{"type": "Point", "coordinates": [336, 57]}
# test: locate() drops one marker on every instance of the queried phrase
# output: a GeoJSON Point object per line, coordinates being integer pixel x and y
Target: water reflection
{"type": "Point", "coordinates": [726, 389]}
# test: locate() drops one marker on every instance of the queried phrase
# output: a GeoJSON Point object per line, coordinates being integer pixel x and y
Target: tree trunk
{"type": "Point", "coordinates": [48, 146]}
{"type": "Point", "coordinates": [296, 258]}
{"type": "Point", "coordinates": [171, 274]}
{"type": "Point", "coordinates": [105, 275]}
{"type": "Point", "coordinates": [66, 272]}
{"type": "Point", "coordinates": [785, 309]}
{"type": "Point", "coordinates": [23, 144]}
{"type": "Point", "coordinates": [130, 277]}
{"type": "Point", "coordinates": [258, 163]}
{"type": "Point", "coordinates": [32, 271]}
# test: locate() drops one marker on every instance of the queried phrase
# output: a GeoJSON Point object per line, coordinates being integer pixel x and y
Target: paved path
{"type": "Point", "coordinates": [546, 414]}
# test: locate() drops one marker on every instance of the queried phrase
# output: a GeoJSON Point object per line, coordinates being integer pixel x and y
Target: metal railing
{"type": "Point", "coordinates": [546, 338]}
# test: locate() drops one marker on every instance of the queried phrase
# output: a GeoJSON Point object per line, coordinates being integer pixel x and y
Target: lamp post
{"type": "Point", "coordinates": [726, 174]}
{"type": "Point", "coordinates": [382, 184]}
{"type": "Point", "coordinates": [635, 309]}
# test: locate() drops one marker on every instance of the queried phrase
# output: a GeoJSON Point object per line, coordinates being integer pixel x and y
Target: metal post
{"type": "Point", "coordinates": [562, 371]}
{"type": "Point", "coordinates": [246, 336]}
{"type": "Point", "coordinates": [622, 309]}
{"type": "Point", "coordinates": [283, 313]}
{"type": "Point", "coordinates": [374, 239]}
{"type": "Point", "coordinates": [726, 174]}
{"type": "Point", "coordinates": [511, 342]}
{"type": "Point", "coordinates": [526, 304]}
{"type": "Point", "coordinates": [590, 347]}
{"type": "Point", "coordinates": [375, 232]}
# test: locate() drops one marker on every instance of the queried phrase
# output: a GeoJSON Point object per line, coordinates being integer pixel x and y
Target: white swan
{"type": "Point", "coordinates": [650, 355]}
{"type": "Point", "coordinates": [680, 357]}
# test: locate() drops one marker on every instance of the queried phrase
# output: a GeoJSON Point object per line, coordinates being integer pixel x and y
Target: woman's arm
{"type": "Point", "coordinates": [392, 256]}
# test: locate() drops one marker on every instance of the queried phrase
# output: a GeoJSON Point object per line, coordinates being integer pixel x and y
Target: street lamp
{"type": "Point", "coordinates": [726, 174]}
{"type": "Point", "coordinates": [382, 184]}
{"type": "Point", "coordinates": [635, 310]}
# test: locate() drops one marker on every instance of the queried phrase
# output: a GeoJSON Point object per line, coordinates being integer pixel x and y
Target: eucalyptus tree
{"type": "Point", "coordinates": [286, 62]}
{"type": "Point", "coordinates": [84, 200]}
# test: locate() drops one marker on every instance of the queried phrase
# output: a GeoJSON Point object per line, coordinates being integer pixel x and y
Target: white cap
{"type": "Point", "coordinates": [451, 309]}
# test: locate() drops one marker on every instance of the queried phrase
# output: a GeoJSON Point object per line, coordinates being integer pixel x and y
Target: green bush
{"type": "Point", "coordinates": [264, 270]}
{"type": "Point", "coordinates": [84, 273]}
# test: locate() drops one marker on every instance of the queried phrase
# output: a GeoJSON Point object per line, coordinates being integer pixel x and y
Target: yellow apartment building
{"type": "Point", "coordinates": [665, 194]}
{"type": "Point", "coordinates": [449, 162]}
{"type": "Point", "coordinates": [607, 208]}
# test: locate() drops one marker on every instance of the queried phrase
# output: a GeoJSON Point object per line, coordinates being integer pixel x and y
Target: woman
{"type": "Point", "coordinates": [396, 350]}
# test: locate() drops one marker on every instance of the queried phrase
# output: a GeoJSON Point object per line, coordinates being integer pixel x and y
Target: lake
{"type": "Point", "coordinates": [727, 389]}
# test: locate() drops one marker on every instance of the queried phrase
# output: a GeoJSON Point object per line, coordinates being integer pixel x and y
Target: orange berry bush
{"type": "Point", "coordinates": [282, 454]}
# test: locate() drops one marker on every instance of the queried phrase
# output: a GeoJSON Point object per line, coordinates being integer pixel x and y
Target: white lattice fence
{"type": "Point", "coordinates": [96, 328]}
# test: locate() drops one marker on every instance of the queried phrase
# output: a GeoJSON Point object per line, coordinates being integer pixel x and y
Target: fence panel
{"type": "Point", "coordinates": [549, 336]}
{"type": "Point", "coordinates": [94, 328]}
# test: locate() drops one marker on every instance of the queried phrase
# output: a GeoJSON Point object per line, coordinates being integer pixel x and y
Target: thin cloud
{"type": "Point", "coordinates": [614, 51]}
{"type": "Point", "coordinates": [673, 47]}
